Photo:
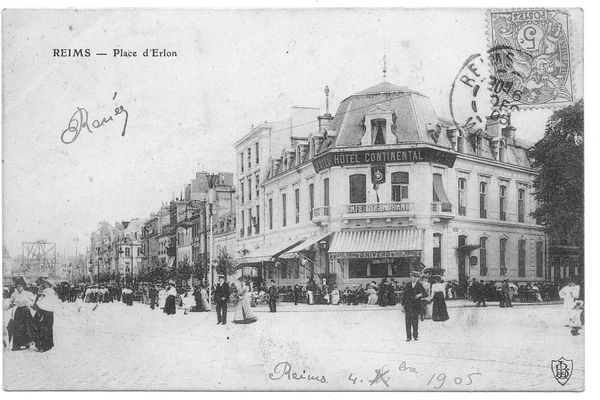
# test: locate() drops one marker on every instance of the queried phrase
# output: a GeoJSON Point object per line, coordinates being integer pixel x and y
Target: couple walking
{"type": "Point", "coordinates": [243, 313]}
{"type": "Point", "coordinates": [414, 295]}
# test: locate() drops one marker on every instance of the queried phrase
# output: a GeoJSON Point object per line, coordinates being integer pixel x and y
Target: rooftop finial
{"type": "Point", "coordinates": [326, 99]}
{"type": "Point", "coordinates": [384, 67]}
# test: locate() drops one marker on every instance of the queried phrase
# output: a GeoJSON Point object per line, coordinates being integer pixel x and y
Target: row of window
{"type": "Point", "coordinates": [483, 200]}
{"type": "Point", "coordinates": [284, 204]}
{"type": "Point", "coordinates": [246, 157]}
{"type": "Point", "coordinates": [256, 188]}
{"type": "Point", "coordinates": [483, 259]}
{"type": "Point", "coordinates": [253, 221]}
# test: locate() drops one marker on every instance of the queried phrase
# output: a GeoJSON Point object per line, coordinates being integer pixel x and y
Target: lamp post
{"type": "Point", "coordinates": [98, 265]}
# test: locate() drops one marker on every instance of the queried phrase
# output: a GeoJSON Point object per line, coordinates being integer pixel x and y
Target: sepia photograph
{"type": "Point", "coordinates": [304, 199]}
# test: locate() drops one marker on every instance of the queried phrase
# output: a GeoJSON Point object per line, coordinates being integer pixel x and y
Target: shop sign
{"type": "Point", "coordinates": [376, 254]}
{"type": "Point", "coordinates": [384, 156]}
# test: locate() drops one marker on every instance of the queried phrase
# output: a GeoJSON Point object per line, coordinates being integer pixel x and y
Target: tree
{"type": "Point", "coordinates": [226, 264]}
{"type": "Point", "coordinates": [559, 187]}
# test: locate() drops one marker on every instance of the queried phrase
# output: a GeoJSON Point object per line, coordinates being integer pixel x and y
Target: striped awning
{"type": "Point", "coordinates": [268, 253]}
{"type": "Point", "coordinates": [293, 252]}
{"type": "Point", "coordinates": [377, 243]}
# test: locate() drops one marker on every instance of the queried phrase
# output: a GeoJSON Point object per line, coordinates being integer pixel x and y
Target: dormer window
{"type": "Point", "coordinates": [378, 131]}
{"type": "Point", "coordinates": [379, 127]}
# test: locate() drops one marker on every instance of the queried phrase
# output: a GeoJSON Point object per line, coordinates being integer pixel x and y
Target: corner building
{"type": "Point", "coordinates": [385, 185]}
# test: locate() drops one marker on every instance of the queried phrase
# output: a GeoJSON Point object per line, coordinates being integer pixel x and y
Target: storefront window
{"type": "Point", "coordinates": [357, 268]}
{"type": "Point", "coordinates": [380, 268]}
{"type": "Point", "coordinates": [399, 186]}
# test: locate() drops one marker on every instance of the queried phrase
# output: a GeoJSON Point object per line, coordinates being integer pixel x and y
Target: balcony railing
{"type": "Point", "coordinates": [377, 208]}
{"type": "Point", "coordinates": [441, 207]}
{"type": "Point", "coordinates": [320, 212]}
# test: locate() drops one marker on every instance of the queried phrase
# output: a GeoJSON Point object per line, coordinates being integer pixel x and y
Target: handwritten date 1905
{"type": "Point", "coordinates": [441, 379]}
{"type": "Point", "coordinates": [79, 121]}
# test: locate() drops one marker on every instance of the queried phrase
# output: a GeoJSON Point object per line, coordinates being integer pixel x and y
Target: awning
{"type": "Point", "coordinates": [291, 253]}
{"type": "Point", "coordinates": [439, 194]}
{"type": "Point", "coordinates": [267, 253]}
{"type": "Point", "coordinates": [377, 243]}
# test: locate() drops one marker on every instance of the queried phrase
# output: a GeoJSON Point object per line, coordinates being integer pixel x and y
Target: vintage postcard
{"type": "Point", "coordinates": [359, 199]}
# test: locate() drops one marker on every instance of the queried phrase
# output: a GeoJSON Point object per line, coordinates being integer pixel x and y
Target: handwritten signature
{"type": "Point", "coordinates": [79, 120]}
{"type": "Point", "coordinates": [284, 369]}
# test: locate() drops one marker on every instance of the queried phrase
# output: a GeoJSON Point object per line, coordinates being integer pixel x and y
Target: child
{"type": "Point", "coordinates": [575, 320]}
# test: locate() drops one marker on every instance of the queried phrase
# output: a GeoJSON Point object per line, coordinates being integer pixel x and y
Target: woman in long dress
{"type": "Point", "coordinates": [189, 301]}
{"type": "Point", "coordinates": [440, 312]}
{"type": "Point", "coordinates": [162, 298]}
{"type": "Point", "coordinates": [335, 296]}
{"type": "Point", "coordinates": [46, 305]}
{"type": "Point", "coordinates": [204, 298]}
{"type": "Point", "coordinates": [170, 301]}
{"type": "Point", "coordinates": [243, 313]}
{"type": "Point", "coordinates": [22, 300]}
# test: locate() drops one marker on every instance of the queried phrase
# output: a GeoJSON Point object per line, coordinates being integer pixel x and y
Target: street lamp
{"type": "Point", "coordinates": [98, 265]}
{"type": "Point", "coordinates": [207, 220]}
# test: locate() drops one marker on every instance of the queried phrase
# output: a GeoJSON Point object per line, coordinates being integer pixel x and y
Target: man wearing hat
{"type": "Point", "coordinates": [221, 297]}
{"type": "Point", "coordinates": [411, 300]}
{"type": "Point", "coordinates": [273, 294]}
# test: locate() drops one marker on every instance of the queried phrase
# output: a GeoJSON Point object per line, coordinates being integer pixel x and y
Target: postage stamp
{"type": "Point", "coordinates": [529, 52]}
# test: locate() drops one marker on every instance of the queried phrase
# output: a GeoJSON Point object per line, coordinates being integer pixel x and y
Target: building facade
{"type": "Point", "coordinates": [383, 187]}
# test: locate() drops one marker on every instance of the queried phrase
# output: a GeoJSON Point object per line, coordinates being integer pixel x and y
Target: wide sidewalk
{"type": "Point", "coordinates": [117, 347]}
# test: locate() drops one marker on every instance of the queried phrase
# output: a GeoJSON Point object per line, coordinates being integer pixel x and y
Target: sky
{"type": "Point", "coordinates": [233, 69]}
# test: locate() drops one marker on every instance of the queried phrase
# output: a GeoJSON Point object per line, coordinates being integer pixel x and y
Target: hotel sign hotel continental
{"type": "Point", "coordinates": [360, 157]}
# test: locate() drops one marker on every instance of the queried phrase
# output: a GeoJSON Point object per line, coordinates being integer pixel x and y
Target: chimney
{"type": "Point", "coordinates": [461, 142]}
{"type": "Point", "coordinates": [509, 132]}
{"type": "Point", "coordinates": [492, 126]}
{"type": "Point", "coordinates": [452, 135]}
{"type": "Point", "coordinates": [495, 147]}
{"type": "Point", "coordinates": [276, 163]}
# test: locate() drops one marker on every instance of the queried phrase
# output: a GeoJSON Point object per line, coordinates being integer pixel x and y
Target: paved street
{"type": "Point", "coordinates": [325, 347]}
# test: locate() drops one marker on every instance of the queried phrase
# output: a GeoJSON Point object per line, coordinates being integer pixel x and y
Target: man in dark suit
{"type": "Point", "coordinates": [273, 294]}
{"type": "Point", "coordinates": [221, 298]}
{"type": "Point", "coordinates": [411, 300]}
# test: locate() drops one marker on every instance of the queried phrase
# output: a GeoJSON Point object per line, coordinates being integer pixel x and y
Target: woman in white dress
{"type": "Point", "coordinates": [569, 294]}
{"type": "Point", "coordinates": [243, 312]}
{"type": "Point", "coordinates": [373, 298]}
{"type": "Point", "coordinates": [162, 298]}
{"type": "Point", "coordinates": [204, 298]}
{"type": "Point", "coordinates": [21, 300]}
{"type": "Point", "coordinates": [335, 296]}
{"type": "Point", "coordinates": [189, 301]}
